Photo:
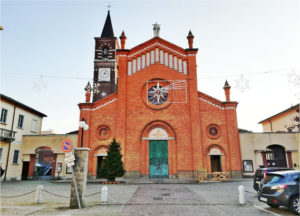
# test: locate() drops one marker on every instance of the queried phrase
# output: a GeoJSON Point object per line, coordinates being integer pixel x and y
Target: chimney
{"type": "Point", "coordinates": [123, 39]}
{"type": "Point", "coordinates": [227, 90]}
{"type": "Point", "coordinates": [88, 90]}
{"type": "Point", "coordinates": [190, 38]}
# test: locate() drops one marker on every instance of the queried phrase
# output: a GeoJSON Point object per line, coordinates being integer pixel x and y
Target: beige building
{"type": "Point", "coordinates": [16, 120]}
{"type": "Point", "coordinates": [269, 150]}
{"type": "Point", "coordinates": [43, 158]}
{"type": "Point", "coordinates": [287, 120]}
{"type": "Point", "coordinates": [277, 146]}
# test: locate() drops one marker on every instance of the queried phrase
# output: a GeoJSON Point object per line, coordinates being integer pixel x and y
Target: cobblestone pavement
{"type": "Point", "coordinates": [140, 199]}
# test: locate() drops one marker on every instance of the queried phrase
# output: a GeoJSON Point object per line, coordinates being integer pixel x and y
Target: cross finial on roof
{"type": "Point", "coordinates": [108, 6]}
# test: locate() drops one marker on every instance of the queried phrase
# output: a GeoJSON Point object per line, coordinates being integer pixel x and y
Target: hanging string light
{"type": "Point", "coordinates": [294, 78]}
{"type": "Point", "coordinates": [40, 84]}
{"type": "Point", "coordinates": [241, 83]}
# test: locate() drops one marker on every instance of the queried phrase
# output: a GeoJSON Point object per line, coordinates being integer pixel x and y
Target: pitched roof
{"type": "Point", "coordinates": [17, 103]}
{"type": "Point", "coordinates": [291, 108]}
{"type": "Point", "coordinates": [158, 40]}
{"type": "Point", "coordinates": [107, 31]}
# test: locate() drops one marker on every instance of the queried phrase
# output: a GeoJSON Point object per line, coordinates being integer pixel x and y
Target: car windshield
{"type": "Point", "coordinates": [273, 178]}
{"type": "Point", "coordinates": [296, 177]}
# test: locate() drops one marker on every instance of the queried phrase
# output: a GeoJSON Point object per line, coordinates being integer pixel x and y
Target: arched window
{"type": "Point", "coordinates": [44, 162]}
{"type": "Point", "coordinates": [275, 156]}
{"type": "Point", "coordinates": [105, 52]}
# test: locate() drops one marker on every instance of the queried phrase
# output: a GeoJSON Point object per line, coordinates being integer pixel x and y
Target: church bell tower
{"type": "Point", "coordinates": [105, 68]}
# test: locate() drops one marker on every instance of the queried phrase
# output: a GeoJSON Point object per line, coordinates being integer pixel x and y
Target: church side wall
{"type": "Point", "coordinates": [213, 115]}
{"type": "Point", "coordinates": [227, 141]}
{"type": "Point", "coordinates": [104, 116]}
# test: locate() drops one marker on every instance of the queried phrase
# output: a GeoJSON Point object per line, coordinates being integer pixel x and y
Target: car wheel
{"type": "Point", "coordinates": [295, 205]}
{"type": "Point", "coordinates": [273, 206]}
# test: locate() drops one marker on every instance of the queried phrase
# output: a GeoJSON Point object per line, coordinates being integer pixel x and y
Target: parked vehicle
{"type": "Point", "coordinates": [281, 189]}
{"type": "Point", "coordinates": [260, 174]}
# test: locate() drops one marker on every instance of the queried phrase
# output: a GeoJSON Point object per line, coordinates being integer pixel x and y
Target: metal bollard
{"type": "Point", "coordinates": [39, 194]}
{"type": "Point", "coordinates": [242, 198]}
{"type": "Point", "coordinates": [104, 192]}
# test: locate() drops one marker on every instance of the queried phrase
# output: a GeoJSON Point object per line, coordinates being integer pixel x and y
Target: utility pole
{"type": "Point", "coordinates": [9, 144]}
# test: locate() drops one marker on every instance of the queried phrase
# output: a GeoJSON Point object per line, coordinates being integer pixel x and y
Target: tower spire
{"type": "Point", "coordinates": [107, 31]}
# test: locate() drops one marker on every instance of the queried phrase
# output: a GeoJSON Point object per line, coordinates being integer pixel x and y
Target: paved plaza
{"type": "Point", "coordinates": [137, 199]}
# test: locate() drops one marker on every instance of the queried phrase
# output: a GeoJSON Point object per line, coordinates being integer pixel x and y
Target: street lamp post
{"type": "Point", "coordinates": [84, 126]}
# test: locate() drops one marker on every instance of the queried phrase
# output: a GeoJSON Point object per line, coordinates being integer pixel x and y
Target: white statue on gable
{"type": "Point", "coordinates": [158, 133]}
{"type": "Point", "coordinates": [156, 29]}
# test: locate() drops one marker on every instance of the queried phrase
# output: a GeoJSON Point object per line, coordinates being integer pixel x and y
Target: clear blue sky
{"type": "Point", "coordinates": [55, 39]}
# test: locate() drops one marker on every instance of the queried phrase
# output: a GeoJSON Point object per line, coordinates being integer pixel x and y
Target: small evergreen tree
{"type": "Point", "coordinates": [113, 164]}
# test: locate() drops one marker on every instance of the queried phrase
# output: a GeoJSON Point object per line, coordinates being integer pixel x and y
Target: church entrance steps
{"type": "Point", "coordinates": [148, 181]}
{"type": "Point", "coordinates": [110, 182]}
{"type": "Point", "coordinates": [160, 181]}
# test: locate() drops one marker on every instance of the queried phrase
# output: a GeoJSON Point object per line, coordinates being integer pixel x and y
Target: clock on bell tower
{"type": "Point", "coordinates": [105, 68]}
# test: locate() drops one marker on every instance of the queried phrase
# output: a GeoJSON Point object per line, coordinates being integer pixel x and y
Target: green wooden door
{"type": "Point", "coordinates": [158, 158]}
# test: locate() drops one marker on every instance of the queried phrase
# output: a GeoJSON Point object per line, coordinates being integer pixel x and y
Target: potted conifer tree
{"type": "Point", "coordinates": [113, 164]}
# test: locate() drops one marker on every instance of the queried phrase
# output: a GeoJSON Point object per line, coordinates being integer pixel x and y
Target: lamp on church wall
{"type": "Point", "coordinates": [84, 126]}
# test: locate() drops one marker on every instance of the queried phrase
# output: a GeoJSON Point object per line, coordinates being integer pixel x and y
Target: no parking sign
{"type": "Point", "coordinates": [66, 146]}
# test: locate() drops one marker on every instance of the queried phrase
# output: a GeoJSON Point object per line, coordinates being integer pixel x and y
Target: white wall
{"type": "Point", "coordinates": [14, 170]}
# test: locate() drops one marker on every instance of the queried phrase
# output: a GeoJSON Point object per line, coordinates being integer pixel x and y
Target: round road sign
{"type": "Point", "coordinates": [66, 145]}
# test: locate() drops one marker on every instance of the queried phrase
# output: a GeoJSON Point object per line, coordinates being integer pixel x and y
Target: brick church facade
{"type": "Point", "coordinates": [148, 100]}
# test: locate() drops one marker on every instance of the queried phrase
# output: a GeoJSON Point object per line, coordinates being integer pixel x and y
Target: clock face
{"type": "Point", "coordinates": [105, 50]}
{"type": "Point", "coordinates": [104, 74]}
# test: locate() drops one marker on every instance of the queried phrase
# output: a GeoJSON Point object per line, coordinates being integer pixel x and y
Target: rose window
{"type": "Point", "coordinates": [157, 94]}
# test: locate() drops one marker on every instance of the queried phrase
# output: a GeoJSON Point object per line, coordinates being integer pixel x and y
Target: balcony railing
{"type": "Point", "coordinates": [7, 135]}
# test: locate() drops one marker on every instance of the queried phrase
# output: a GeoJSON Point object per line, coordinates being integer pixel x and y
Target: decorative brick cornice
{"type": "Point", "coordinates": [160, 40]}
{"type": "Point", "coordinates": [191, 52]}
{"type": "Point", "coordinates": [122, 52]}
{"type": "Point", "coordinates": [215, 102]}
{"type": "Point", "coordinates": [156, 44]}
{"type": "Point", "coordinates": [98, 107]}
{"type": "Point", "coordinates": [98, 104]}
